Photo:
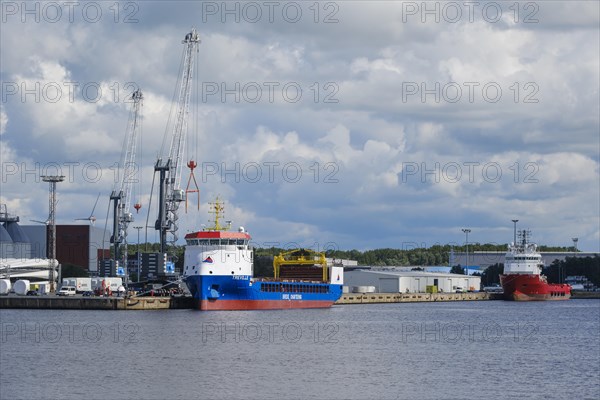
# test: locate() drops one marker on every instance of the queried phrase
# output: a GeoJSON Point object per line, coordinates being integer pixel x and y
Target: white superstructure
{"type": "Point", "coordinates": [523, 257]}
{"type": "Point", "coordinates": [218, 253]}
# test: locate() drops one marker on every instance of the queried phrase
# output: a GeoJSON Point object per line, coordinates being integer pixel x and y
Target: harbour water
{"type": "Point", "coordinates": [457, 350]}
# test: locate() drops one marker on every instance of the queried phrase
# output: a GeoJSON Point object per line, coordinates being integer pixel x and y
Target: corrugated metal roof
{"type": "Point", "coordinates": [414, 273]}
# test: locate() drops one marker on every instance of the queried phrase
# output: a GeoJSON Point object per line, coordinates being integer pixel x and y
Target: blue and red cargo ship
{"type": "Point", "coordinates": [218, 270]}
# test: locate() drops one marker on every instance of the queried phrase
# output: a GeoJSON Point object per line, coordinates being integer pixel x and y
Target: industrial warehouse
{"type": "Point", "coordinates": [390, 280]}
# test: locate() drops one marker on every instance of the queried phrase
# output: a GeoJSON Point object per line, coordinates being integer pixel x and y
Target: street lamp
{"type": "Point", "coordinates": [467, 231]}
{"type": "Point", "coordinates": [138, 252]}
{"type": "Point", "coordinates": [575, 240]}
{"type": "Point", "coordinates": [53, 180]}
{"type": "Point", "coordinates": [515, 239]}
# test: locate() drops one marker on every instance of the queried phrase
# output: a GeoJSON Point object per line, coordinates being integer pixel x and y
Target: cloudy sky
{"type": "Point", "coordinates": [346, 124]}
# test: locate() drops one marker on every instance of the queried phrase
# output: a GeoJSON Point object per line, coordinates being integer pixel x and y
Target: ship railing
{"type": "Point", "coordinates": [286, 280]}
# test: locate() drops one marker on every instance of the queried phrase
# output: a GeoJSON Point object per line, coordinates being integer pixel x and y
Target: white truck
{"type": "Point", "coordinates": [80, 284]}
{"type": "Point", "coordinates": [66, 290]}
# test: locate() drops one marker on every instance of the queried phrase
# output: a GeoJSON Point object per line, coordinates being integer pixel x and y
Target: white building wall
{"type": "Point", "coordinates": [360, 278]}
{"type": "Point", "coordinates": [405, 285]}
{"type": "Point", "coordinates": [413, 283]}
{"type": "Point", "coordinates": [388, 285]}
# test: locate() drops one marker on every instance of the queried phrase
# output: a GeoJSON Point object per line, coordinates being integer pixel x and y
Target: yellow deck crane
{"type": "Point", "coordinates": [297, 264]}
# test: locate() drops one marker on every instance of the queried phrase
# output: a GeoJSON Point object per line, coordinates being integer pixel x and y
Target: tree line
{"type": "Point", "coordinates": [418, 256]}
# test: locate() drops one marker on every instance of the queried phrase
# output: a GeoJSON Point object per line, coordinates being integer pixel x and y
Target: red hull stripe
{"type": "Point", "coordinates": [261, 304]}
{"type": "Point", "coordinates": [532, 288]}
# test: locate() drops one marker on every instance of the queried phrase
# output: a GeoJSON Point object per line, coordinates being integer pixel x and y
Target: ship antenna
{"type": "Point", "coordinates": [218, 209]}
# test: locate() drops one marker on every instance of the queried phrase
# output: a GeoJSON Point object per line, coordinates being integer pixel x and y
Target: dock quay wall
{"type": "Point", "coordinates": [95, 303]}
{"type": "Point", "coordinates": [577, 294]}
{"type": "Point", "coordinates": [366, 298]}
{"type": "Point", "coordinates": [164, 303]}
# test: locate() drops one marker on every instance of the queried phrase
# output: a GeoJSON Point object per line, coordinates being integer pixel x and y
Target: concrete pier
{"type": "Point", "coordinates": [580, 294]}
{"type": "Point", "coordinates": [95, 303]}
{"type": "Point", "coordinates": [366, 298]}
{"type": "Point", "coordinates": [164, 303]}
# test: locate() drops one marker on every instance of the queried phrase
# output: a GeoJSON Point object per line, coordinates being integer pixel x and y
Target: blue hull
{"type": "Point", "coordinates": [239, 293]}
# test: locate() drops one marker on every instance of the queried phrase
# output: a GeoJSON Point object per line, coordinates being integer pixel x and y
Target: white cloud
{"type": "Point", "coordinates": [365, 138]}
{"type": "Point", "coordinates": [3, 121]}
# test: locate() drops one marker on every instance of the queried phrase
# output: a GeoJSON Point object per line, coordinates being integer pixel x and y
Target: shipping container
{"type": "Point", "coordinates": [81, 284]}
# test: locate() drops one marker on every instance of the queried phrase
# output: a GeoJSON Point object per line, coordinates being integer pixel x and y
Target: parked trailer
{"type": "Point", "coordinates": [81, 284]}
{"type": "Point", "coordinates": [112, 283]}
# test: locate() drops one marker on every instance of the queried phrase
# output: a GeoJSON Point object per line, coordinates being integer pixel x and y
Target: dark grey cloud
{"type": "Point", "coordinates": [372, 56]}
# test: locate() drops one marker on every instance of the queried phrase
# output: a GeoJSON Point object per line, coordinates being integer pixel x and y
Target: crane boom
{"type": "Point", "coordinates": [170, 194]}
{"type": "Point", "coordinates": [131, 140]}
{"type": "Point", "coordinates": [180, 128]}
{"type": "Point", "coordinates": [121, 193]}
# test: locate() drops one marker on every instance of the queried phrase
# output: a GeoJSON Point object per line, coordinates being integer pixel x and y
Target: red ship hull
{"type": "Point", "coordinates": [525, 287]}
{"type": "Point", "coordinates": [208, 305]}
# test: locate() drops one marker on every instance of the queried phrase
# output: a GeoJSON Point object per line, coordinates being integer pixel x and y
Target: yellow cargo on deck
{"type": "Point", "coordinates": [431, 289]}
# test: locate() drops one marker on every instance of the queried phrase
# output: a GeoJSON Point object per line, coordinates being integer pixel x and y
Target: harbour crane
{"type": "Point", "coordinates": [122, 191]}
{"type": "Point", "coordinates": [169, 166]}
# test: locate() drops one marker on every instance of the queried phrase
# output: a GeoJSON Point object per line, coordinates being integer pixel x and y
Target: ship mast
{"type": "Point", "coordinates": [218, 208]}
{"type": "Point", "coordinates": [523, 236]}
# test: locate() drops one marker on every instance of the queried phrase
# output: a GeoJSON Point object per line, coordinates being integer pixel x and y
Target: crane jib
{"type": "Point", "coordinates": [170, 193]}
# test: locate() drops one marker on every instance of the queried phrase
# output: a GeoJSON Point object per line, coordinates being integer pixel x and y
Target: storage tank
{"type": "Point", "coordinates": [5, 286]}
{"type": "Point", "coordinates": [6, 243]}
{"type": "Point", "coordinates": [363, 289]}
{"type": "Point", "coordinates": [22, 286]}
{"type": "Point", "coordinates": [17, 234]}
{"type": "Point", "coordinates": [4, 235]}
{"type": "Point", "coordinates": [21, 242]}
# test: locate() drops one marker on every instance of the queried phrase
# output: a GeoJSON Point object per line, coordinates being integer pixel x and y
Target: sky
{"type": "Point", "coordinates": [327, 125]}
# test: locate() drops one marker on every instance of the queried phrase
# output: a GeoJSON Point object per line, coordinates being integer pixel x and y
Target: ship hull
{"type": "Point", "coordinates": [531, 287]}
{"type": "Point", "coordinates": [212, 293]}
{"type": "Point", "coordinates": [232, 305]}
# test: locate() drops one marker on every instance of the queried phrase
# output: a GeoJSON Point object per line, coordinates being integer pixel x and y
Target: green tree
{"type": "Point", "coordinates": [583, 266]}
{"type": "Point", "coordinates": [491, 275]}
{"type": "Point", "coordinates": [263, 266]}
{"type": "Point", "coordinates": [457, 269]}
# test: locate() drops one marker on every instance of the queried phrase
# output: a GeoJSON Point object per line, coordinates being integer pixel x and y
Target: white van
{"type": "Point", "coordinates": [67, 291]}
